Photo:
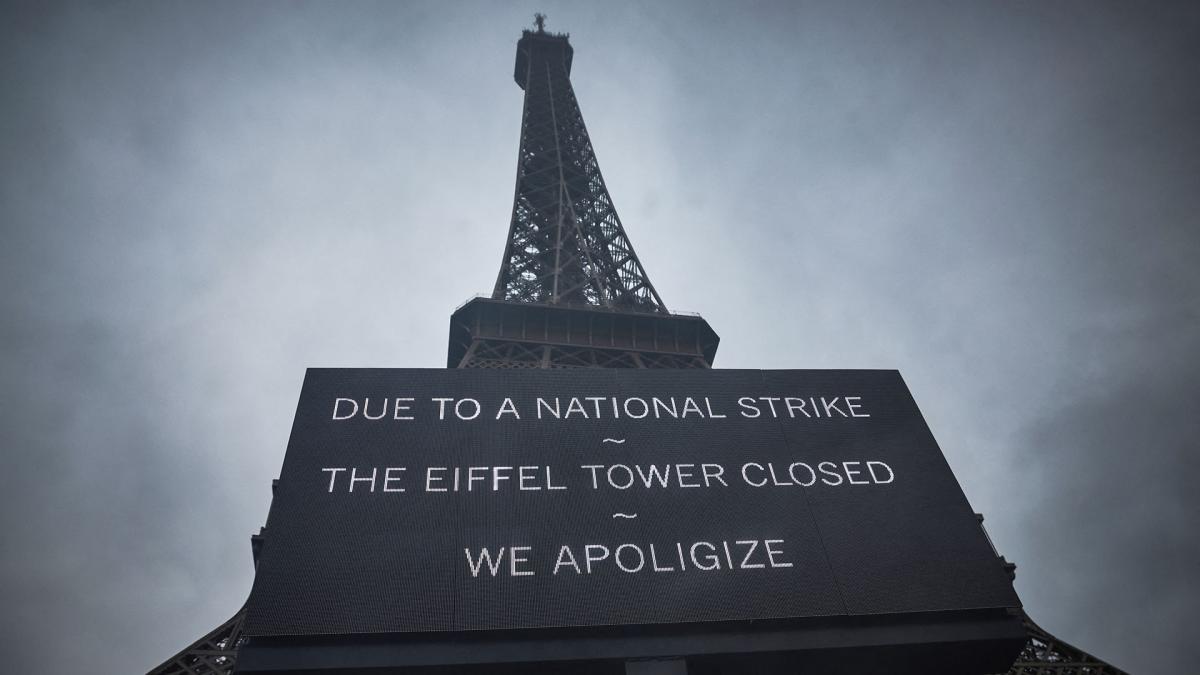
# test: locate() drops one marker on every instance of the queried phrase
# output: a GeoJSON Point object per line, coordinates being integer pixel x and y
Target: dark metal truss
{"type": "Point", "coordinates": [1045, 654]}
{"type": "Point", "coordinates": [487, 333]}
{"type": "Point", "coordinates": [213, 654]}
{"type": "Point", "coordinates": [508, 354]}
{"type": "Point", "coordinates": [565, 242]}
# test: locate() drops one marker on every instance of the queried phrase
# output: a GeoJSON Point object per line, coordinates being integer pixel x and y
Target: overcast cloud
{"type": "Point", "coordinates": [200, 200]}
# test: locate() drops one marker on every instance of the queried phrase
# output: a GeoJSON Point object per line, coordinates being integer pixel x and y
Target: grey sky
{"type": "Point", "coordinates": [200, 200]}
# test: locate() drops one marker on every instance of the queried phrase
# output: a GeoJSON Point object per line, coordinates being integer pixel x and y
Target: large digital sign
{"type": "Point", "coordinates": [415, 500]}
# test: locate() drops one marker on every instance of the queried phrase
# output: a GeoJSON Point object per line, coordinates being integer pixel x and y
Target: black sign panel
{"type": "Point", "coordinates": [446, 500]}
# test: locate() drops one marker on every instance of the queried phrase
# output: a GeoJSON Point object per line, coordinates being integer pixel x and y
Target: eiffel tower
{"type": "Point", "coordinates": [571, 293]}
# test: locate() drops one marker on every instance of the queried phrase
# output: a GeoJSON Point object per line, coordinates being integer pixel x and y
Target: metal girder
{"type": "Point", "coordinates": [509, 354]}
{"type": "Point", "coordinates": [487, 333]}
{"type": "Point", "coordinates": [213, 654]}
{"type": "Point", "coordinates": [1045, 654]}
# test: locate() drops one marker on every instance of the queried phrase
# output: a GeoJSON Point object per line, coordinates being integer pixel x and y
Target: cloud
{"type": "Point", "coordinates": [199, 201]}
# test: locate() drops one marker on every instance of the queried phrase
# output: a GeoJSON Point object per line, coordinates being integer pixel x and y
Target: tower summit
{"type": "Point", "coordinates": [571, 291]}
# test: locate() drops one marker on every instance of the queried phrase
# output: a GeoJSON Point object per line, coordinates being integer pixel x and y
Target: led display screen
{"type": "Point", "coordinates": [416, 500]}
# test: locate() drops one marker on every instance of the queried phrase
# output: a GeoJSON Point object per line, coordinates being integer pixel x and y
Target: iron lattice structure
{"type": "Point", "coordinates": [571, 293]}
{"type": "Point", "coordinates": [565, 244]}
{"type": "Point", "coordinates": [213, 654]}
{"type": "Point", "coordinates": [1045, 654]}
